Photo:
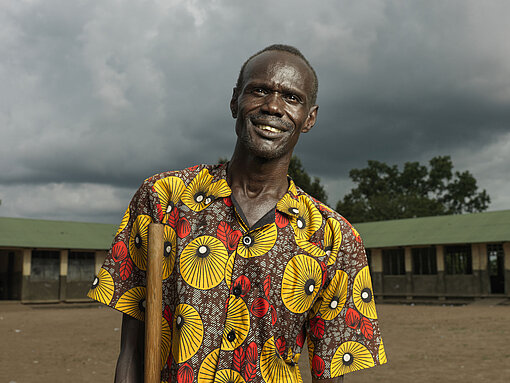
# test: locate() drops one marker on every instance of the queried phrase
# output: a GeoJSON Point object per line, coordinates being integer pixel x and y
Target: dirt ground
{"type": "Point", "coordinates": [79, 343]}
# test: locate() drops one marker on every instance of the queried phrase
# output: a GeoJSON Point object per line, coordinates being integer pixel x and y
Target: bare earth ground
{"type": "Point", "coordinates": [79, 343]}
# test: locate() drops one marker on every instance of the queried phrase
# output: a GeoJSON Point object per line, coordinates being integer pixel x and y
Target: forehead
{"type": "Point", "coordinates": [280, 69]}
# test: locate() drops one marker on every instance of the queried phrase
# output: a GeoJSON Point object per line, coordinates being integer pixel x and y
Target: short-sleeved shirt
{"type": "Point", "coordinates": [240, 302]}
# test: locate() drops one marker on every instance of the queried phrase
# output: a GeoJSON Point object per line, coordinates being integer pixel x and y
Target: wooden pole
{"type": "Point", "coordinates": [152, 366]}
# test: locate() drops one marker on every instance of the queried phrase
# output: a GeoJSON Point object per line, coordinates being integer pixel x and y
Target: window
{"type": "Point", "coordinates": [393, 261]}
{"type": "Point", "coordinates": [424, 260]}
{"type": "Point", "coordinates": [496, 256]}
{"type": "Point", "coordinates": [457, 259]}
{"type": "Point", "coordinates": [45, 265]}
{"type": "Point", "coordinates": [80, 266]}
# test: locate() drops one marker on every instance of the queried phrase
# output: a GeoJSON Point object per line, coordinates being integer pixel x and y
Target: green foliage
{"type": "Point", "coordinates": [302, 179]}
{"type": "Point", "coordinates": [383, 192]}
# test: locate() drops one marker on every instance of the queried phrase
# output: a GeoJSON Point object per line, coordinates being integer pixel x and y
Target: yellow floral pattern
{"type": "Point", "coordinates": [240, 301]}
{"type": "Point", "coordinates": [350, 356]}
{"type": "Point", "coordinates": [308, 219]}
{"type": "Point", "coordinates": [301, 282]}
{"type": "Point", "coordinates": [257, 243]}
{"type": "Point", "coordinates": [138, 241]}
{"type": "Point", "coordinates": [237, 324]}
{"type": "Point", "coordinates": [202, 191]}
{"type": "Point", "coordinates": [124, 222]}
{"type": "Point", "coordinates": [334, 296]}
{"type": "Point", "coordinates": [187, 334]}
{"type": "Point", "coordinates": [169, 191]}
{"type": "Point", "coordinates": [102, 287]}
{"type": "Point", "coordinates": [363, 295]}
{"type": "Point", "coordinates": [203, 262]}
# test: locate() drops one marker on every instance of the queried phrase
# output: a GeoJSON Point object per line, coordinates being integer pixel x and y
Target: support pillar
{"type": "Point", "coordinates": [476, 261]}
{"type": "Point", "coordinates": [441, 289]}
{"type": "Point", "coordinates": [64, 256]}
{"type": "Point", "coordinates": [26, 271]}
{"type": "Point", "coordinates": [99, 260]}
{"type": "Point", "coordinates": [506, 250]}
{"type": "Point", "coordinates": [376, 255]}
{"type": "Point", "coordinates": [409, 272]}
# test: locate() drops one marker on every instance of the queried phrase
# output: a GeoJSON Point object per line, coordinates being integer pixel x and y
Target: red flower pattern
{"type": "Point", "coordinates": [281, 220]}
{"type": "Point", "coordinates": [185, 374]}
{"type": "Point", "coordinates": [244, 283]}
{"type": "Point", "coordinates": [126, 268]}
{"type": "Point", "coordinates": [119, 251]}
{"type": "Point", "coordinates": [317, 366]}
{"type": "Point", "coordinates": [183, 227]}
{"type": "Point", "coordinates": [352, 318]}
{"type": "Point", "coordinates": [317, 326]}
{"type": "Point", "coordinates": [259, 307]}
{"type": "Point", "coordinates": [238, 358]}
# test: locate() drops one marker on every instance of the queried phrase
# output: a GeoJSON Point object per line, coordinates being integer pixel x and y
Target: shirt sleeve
{"type": "Point", "coordinates": [120, 283]}
{"type": "Point", "coordinates": [343, 334]}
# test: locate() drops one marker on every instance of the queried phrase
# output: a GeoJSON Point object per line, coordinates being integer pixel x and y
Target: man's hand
{"type": "Point", "coordinates": [130, 363]}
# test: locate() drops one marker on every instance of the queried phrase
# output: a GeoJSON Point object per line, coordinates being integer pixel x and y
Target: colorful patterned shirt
{"type": "Point", "coordinates": [239, 302]}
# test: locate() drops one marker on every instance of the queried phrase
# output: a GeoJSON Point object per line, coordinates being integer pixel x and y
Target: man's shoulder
{"type": "Point", "coordinates": [186, 174]}
{"type": "Point", "coordinates": [331, 217]}
{"type": "Point", "coordinates": [326, 211]}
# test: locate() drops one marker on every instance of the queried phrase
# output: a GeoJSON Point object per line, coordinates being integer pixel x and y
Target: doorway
{"type": "Point", "coordinates": [496, 268]}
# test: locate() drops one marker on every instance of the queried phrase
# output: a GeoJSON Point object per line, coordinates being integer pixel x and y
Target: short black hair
{"type": "Point", "coordinates": [282, 48]}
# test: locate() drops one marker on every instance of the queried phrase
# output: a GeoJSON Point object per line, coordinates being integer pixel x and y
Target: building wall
{"type": "Point", "coordinates": [80, 273]}
{"type": "Point", "coordinates": [47, 275]}
{"type": "Point", "coordinates": [474, 284]}
{"type": "Point", "coordinates": [41, 276]}
{"type": "Point", "coordinates": [21, 278]}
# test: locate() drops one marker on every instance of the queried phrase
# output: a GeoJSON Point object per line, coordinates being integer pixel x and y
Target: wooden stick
{"type": "Point", "coordinates": [154, 304]}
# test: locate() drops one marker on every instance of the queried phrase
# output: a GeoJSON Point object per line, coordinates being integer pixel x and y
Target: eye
{"type": "Point", "coordinates": [292, 98]}
{"type": "Point", "coordinates": [259, 91]}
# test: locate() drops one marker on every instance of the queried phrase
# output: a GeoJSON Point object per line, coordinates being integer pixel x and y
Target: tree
{"type": "Point", "coordinates": [299, 175]}
{"type": "Point", "coordinates": [383, 192]}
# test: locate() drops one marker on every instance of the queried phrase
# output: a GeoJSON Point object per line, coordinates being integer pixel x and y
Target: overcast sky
{"type": "Point", "coordinates": [95, 96]}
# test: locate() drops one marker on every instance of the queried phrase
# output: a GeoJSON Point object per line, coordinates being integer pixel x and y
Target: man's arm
{"type": "Point", "coordinates": [130, 363]}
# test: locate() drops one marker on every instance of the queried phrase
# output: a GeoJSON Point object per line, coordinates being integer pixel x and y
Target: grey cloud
{"type": "Point", "coordinates": [108, 93]}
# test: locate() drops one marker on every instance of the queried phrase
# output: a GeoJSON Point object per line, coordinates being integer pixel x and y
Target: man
{"type": "Point", "coordinates": [253, 266]}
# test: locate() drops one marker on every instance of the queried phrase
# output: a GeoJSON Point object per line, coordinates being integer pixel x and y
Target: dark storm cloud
{"type": "Point", "coordinates": [96, 96]}
{"type": "Point", "coordinates": [426, 85]}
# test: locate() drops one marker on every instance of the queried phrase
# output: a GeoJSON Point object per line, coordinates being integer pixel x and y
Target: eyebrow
{"type": "Point", "coordinates": [282, 88]}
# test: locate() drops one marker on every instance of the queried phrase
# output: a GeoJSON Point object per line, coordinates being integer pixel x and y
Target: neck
{"type": "Point", "coordinates": [254, 176]}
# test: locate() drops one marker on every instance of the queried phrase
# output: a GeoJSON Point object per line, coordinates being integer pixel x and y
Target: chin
{"type": "Point", "coordinates": [249, 141]}
{"type": "Point", "coordinates": [265, 154]}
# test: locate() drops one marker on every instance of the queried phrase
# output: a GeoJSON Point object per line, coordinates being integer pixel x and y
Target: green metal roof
{"type": "Point", "coordinates": [491, 226]}
{"type": "Point", "coordinates": [35, 233]}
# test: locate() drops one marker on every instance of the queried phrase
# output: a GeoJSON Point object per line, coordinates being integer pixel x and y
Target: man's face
{"type": "Point", "coordinates": [273, 106]}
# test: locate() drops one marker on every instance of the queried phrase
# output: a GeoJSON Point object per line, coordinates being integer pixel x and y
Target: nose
{"type": "Point", "coordinates": [272, 105]}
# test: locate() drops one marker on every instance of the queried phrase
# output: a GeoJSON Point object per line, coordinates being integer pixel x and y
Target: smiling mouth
{"type": "Point", "coordinates": [268, 128]}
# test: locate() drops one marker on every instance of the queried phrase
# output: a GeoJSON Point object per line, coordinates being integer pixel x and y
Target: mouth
{"type": "Point", "coordinates": [268, 128]}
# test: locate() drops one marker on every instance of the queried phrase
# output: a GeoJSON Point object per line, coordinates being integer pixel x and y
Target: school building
{"type": "Point", "coordinates": [50, 261]}
{"type": "Point", "coordinates": [447, 257]}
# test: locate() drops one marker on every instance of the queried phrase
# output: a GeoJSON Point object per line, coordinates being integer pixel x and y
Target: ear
{"type": "Point", "coordinates": [310, 120]}
{"type": "Point", "coordinates": [233, 103]}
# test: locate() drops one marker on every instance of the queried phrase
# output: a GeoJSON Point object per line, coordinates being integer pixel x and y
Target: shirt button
{"type": "Point", "coordinates": [247, 240]}
{"type": "Point", "coordinates": [237, 291]}
{"type": "Point", "coordinates": [231, 336]}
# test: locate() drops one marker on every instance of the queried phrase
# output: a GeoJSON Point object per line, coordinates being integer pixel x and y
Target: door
{"type": "Point", "coordinates": [496, 268]}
